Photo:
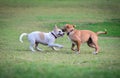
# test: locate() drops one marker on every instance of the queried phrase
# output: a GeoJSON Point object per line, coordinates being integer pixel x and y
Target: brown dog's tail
{"type": "Point", "coordinates": [101, 32]}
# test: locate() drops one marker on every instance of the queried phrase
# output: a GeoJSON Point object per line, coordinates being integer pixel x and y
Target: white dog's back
{"type": "Point", "coordinates": [37, 36]}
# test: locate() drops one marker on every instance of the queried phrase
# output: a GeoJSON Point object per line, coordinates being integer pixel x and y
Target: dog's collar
{"type": "Point", "coordinates": [54, 35]}
{"type": "Point", "coordinates": [70, 32]}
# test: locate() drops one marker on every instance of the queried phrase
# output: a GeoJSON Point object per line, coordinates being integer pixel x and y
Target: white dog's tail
{"type": "Point", "coordinates": [21, 36]}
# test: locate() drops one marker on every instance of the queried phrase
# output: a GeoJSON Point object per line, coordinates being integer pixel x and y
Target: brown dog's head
{"type": "Point", "coordinates": [68, 28]}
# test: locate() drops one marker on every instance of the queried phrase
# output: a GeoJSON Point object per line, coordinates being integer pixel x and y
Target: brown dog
{"type": "Point", "coordinates": [81, 36]}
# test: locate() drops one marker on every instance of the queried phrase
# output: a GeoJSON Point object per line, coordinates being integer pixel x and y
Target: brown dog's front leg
{"type": "Point", "coordinates": [78, 47]}
{"type": "Point", "coordinates": [73, 46]}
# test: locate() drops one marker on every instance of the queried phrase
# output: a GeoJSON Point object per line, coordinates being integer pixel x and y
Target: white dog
{"type": "Point", "coordinates": [44, 38]}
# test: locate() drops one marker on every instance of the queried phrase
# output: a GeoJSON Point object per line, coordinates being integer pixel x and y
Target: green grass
{"type": "Point", "coordinates": [18, 16]}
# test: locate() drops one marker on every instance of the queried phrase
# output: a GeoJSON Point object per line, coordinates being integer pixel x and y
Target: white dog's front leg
{"type": "Point", "coordinates": [38, 49]}
{"type": "Point", "coordinates": [55, 45]}
{"type": "Point", "coordinates": [55, 49]}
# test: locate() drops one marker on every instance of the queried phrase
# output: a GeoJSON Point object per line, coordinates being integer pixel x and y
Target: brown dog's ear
{"type": "Point", "coordinates": [67, 26]}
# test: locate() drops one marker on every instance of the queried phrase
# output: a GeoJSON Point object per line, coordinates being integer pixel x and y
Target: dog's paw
{"type": "Point", "coordinates": [33, 51]}
{"type": "Point", "coordinates": [38, 49]}
{"type": "Point", "coordinates": [94, 53]}
{"type": "Point", "coordinates": [54, 48]}
{"type": "Point", "coordinates": [61, 46]}
{"type": "Point", "coordinates": [77, 52]}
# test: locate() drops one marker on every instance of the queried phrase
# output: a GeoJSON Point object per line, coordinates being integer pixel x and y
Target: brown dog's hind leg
{"type": "Point", "coordinates": [96, 48]}
{"type": "Point", "coordinates": [90, 43]}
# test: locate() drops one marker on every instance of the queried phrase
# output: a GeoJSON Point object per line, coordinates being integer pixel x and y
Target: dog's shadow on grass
{"type": "Point", "coordinates": [23, 50]}
{"type": "Point", "coordinates": [62, 51]}
{"type": "Point", "coordinates": [53, 51]}
{"type": "Point", "coordinates": [46, 50]}
{"type": "Point", "coordinates": [58, 51]}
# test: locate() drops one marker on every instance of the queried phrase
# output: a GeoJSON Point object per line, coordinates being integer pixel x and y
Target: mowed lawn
{"type": "Point", "coordinates": [17, 61]}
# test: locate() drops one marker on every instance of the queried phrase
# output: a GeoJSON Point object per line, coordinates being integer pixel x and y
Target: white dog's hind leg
{"type": "Point", "coordinates": [31, 47]}
{"type": "Point", "coordinates": [36, 46]}
{"type": "Point", "coordinates": [32, 43]}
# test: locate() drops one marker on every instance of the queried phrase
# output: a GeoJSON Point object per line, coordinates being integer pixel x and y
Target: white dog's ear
{"type": "Point", "coordinates": [55, 26]}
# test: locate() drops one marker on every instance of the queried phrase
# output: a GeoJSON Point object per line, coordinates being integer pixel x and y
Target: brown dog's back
{"type": "Point", "coordinates": [84, 35]}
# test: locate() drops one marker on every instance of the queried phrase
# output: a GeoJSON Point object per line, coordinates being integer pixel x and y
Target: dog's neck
{"type": "Point", "coordinates": [54, 35]}
{"type": "Point", "coordinates": [69, 32]}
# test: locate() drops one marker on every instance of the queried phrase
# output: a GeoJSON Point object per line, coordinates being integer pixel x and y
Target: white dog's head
{"type": "Point", "coordinates": [58, 32]}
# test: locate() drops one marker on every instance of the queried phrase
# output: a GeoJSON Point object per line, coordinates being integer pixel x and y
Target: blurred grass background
{"type": "Point", "coordinates": [18, 16]}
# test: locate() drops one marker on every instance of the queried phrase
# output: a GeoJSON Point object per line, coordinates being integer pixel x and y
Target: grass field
{"type": "Point", "coordinates": [18, 16]}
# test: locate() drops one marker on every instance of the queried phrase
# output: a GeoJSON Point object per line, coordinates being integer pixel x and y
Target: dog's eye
{"type": "Point", "coordinates": [59, 31]}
